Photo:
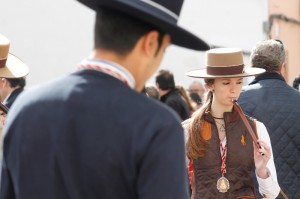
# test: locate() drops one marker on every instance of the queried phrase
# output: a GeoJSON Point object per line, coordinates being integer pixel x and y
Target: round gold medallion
{"type": "Point", "coordinates": [223, 184]}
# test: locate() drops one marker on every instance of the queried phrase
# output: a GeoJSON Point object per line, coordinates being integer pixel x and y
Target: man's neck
{"type": "Point", "coordinates": [128, 61]}
{"type": "Point", "coordinates": [164, 92]}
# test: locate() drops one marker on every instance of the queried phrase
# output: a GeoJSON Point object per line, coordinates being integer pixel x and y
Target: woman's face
{"type": "Point", "coordinates": [226, 89]}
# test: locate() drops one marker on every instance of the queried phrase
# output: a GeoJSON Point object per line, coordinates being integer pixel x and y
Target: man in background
{"type": "Point", "coordinates": [197, 87]}
{"type": "Point", "coordinates": [272, 101]}
{"type": "Point", "coordinates": [170, 96]}
{"type": "Point", "coordinates": [10, 89]}
{"type": "Point", "coordinates": [92, 134]}
{"type": "Point", "coordinates": [12, 74]}
{"type": "Point", "coordinates": [296, 82]}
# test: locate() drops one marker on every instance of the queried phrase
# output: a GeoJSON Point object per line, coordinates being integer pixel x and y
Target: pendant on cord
{"type": "Point", "coordinates": [222, 128]}
{"type": "Point", "coordinates": [223, 182]}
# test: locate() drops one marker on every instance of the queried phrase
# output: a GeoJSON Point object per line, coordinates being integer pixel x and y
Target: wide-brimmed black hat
{"type": "Point", "coordinates": [162, 14]}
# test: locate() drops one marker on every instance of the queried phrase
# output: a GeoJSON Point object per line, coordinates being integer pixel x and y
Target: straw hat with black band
{"type": "Point", "coordinates": [223, 63]}
{"type": "Point", "coordinates": [10, 65]}
{"type": "Point", "coordinates": [162, 14]}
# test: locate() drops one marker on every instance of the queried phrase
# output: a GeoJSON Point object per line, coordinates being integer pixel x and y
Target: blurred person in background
{"type": "Point", "coordinates": [185, 94]}
{"type": "Point", "coordinates": [3, 113]}
{"type": "Point", "coordinates": [152, 91]}
{"type": "Point", "coordinates": [10, 89]}
{"type": "Point", "coordinates": [197, 87]}
{"type": "Point", "coordinates": [170, 95]}
{"type": "Point", "coordinates": [196, 99]}
{"type": "Point", "coordinates": [296, 82]}
{"type": "Point", "coordinates": [272, 101]}
{"type": "Point", "coordinates": [12, 74]}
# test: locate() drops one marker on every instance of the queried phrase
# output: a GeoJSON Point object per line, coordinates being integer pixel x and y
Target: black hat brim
{"type": "Point", "coordinates": [155, 17]}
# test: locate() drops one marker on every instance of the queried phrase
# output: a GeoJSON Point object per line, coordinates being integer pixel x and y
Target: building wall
{"type": "Point", "coordinates": [286, 27]}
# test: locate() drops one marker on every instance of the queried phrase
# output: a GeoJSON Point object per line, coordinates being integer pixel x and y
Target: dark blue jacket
{"type": "Point", "coordinates": [175, 101]}
{"type": "Point", "coordinates": [269, 99]}
{"type": "Point", "coordinates": [89, 136]}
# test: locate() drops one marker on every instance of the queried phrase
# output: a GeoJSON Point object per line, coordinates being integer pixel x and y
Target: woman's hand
{"type": "Point", "coordinates": [261, 158]}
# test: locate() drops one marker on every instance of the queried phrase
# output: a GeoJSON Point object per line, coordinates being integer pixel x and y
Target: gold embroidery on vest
{"type": "Point", "coordinates": [243, 140]}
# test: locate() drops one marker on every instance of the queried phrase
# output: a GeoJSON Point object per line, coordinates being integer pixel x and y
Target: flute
{"type": "Point", "coordinates": [246, 123]}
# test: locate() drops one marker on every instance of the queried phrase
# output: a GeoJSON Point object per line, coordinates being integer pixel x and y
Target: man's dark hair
{"type": "Point", "coordinates": [165, 80]}
{"type": "Point", "coordinates": [14, 82]}
{"type": "Point", "coordinates": [296, 82]}
{"type": "Point", "coordinates": [119, 32]}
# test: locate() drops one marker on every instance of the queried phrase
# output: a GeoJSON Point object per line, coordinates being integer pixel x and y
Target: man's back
{"type": "Point", "coordinates": [276, 104]}
{"type": "Point", "coordinates": [112, 156]}
{"type": "Point", "coordinates": [174, 100]}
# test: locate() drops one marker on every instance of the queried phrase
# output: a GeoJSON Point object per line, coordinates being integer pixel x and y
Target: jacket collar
{"type": "Point", "coordinates": [267, 75]}
{"type": "Point", "coordinates": [165, 96]}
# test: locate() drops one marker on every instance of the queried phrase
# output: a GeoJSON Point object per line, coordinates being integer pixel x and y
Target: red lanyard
{"type": "Point", "coordinates": [109, 68]}
{"type": "Point", "coordinates": [106, 70]}
{"type": "Point", "coordinates": [223, 157]}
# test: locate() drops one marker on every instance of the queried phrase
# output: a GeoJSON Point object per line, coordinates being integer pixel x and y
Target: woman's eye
{"type": "Point", "coordinates": [240, 82]}
{"type": "Point", "coordinates": [225, 83]}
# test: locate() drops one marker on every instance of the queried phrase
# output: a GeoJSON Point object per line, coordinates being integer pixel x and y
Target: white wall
{"type": "Point", "coordinates": [53, 36]}
{"type": "Point", "coordinates": [230, 23]}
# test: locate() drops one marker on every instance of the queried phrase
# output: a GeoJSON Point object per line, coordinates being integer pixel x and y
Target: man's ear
{"type": "Point", "coordinates": [150, 43]}
{"type": "Point", "coordinates": [157, 85]}
{"type": "Point", "coordinates": [282, 69]}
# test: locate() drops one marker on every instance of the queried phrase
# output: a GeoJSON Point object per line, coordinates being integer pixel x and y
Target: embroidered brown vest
{"type": "Point", "coordinates": [239, 163]}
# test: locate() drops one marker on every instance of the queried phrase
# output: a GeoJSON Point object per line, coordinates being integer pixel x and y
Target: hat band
{"type": "Point", "coordinates": [2, 62]}
{"type": "Point", "coordinates": [162, 8]}
{"type": "Point", "coordinates": [225, 70]}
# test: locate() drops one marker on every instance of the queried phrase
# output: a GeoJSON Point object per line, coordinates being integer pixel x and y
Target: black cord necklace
{"type": "Point", "coordinates": [218, 118]}
{"type": "Point", "coordinates": [221, 126]}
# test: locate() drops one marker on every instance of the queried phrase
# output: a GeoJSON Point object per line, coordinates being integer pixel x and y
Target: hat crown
{"type": "Point", "coordinates": [225, 63]}
{"type": "Point", "coordinates": [161, 14]}
{"type": "Point", "coordinates": [171, 5]}
{"type": "Point", "coordinates": [4, 47]}
{"type": "Point", "coordinates": [224, 57]}
{"type": "Point", "coordinates": [10, 65]}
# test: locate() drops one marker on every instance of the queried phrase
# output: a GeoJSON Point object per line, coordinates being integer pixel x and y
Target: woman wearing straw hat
{"type": "Point", "coordinates": [222, 156]}
{"type": "Point", "coordinates": [12, 74]}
